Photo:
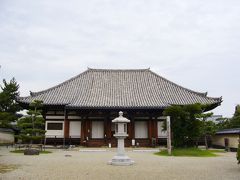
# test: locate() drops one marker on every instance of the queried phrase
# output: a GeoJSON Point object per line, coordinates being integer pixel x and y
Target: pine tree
{"type": "Point", "coordinates": [184, 124]}
{"type": "Point", "coordinates": [223, 123]}
{"type": "Point", "coordinates": [8, 105]}
{"type": "Point", "coordinates": [208, 128]}
{"type": "Point", "coordinates": [32, 126]}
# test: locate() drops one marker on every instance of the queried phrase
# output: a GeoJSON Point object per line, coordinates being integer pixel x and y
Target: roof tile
{"type": "Point", "coordinates": [102, 88]}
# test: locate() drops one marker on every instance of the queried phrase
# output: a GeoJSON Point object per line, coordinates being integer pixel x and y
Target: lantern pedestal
{"type": "Point", "coordinates": [121, 133]}
{"type": "Point", "coordinates": [121, 159]}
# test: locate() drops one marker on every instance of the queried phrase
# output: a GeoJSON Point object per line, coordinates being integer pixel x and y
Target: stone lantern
{"type": "Point", "coordinates": [121, 133]}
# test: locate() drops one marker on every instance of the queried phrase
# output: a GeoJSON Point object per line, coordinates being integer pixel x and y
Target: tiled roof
{"type": "Point", "coordinates": [6, 130]}
{"type": "Point", "coordinates": [106, 88]}
{"type": "Point", "coordinates": [229, 131]}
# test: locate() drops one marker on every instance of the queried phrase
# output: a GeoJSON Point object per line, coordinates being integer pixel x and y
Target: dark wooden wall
{"type": "Point", "coordinates": [107, 116]}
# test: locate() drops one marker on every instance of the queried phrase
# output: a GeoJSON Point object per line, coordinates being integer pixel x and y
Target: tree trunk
{"type": "Point", "coordinates": [206, 143]}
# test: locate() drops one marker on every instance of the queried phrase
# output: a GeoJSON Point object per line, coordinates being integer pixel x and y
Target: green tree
{"type": "Point", "coordinates": [32, 126]}
{"type": "Point", "coordinates": [185, 125]}
{"type": "Point", "coordinates": [8, 105]}
{"type": "Point", "coordinates": [223, 123]}
{"type": "Point", "coordinates": [208, 128]}
{"type": "Point", "coordinates": [227, 123]}
{"type": "Point", "coordinates": [235, 120]}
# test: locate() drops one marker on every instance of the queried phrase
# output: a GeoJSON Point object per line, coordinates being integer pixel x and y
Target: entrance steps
{"type": "Point", "coordinates": [93, 150]}
{"type": "Point", "coordinates": [115, 149]}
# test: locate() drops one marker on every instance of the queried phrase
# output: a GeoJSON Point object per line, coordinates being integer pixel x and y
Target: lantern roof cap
{"type": "Point", "coordinates": [121, 119]}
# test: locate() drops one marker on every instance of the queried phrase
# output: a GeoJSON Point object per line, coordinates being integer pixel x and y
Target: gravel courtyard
{"type": "Point", "coordinates": [93, 165]}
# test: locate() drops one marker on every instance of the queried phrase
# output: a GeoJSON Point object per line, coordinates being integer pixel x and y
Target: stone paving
{"type": "Point", "coordinates": [93, 165]}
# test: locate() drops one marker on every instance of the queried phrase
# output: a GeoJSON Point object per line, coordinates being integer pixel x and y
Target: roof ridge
{"type": "Point", "coordinates": [100, 69]}
{"type": "Point", "coordinates": [229, 129]}
{"type": "Point", "coordinates": [204, 94]}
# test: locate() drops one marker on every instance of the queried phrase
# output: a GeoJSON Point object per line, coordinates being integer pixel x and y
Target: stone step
{"type": "Point", "coordinates": [92, 150]}
{"type": "Point", "coordinates": [146, 150]}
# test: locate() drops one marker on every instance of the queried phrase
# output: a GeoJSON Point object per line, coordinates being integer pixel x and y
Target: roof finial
{"type": "Point", "coordinates": [120, 113]}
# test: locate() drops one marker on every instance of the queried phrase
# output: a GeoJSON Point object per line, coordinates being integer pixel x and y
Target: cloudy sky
{"type": "Point", "coordinates": [193, 43]}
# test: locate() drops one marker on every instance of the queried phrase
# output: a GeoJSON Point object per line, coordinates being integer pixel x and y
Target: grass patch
{"type": "Point", "coordinates": [189, 152]}
{"type": "Point", "coordinates": [6, 168]}
{"type": "Point", "coordinates": [22, 151]}
{"type": "Point", "coordinates": [217, 150]}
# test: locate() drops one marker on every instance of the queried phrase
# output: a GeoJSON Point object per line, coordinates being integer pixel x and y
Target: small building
{"type": "Point", "coordinates": [6, 136]}
{"type": "Point", "coordinates": [80, 110]}
{"type": "Point", "coordinates": [227, 138]}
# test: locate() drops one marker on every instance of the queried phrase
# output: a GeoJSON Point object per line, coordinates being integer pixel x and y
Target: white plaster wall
{"type": "Point", "coordinates": [75, 129]}
{"type": "Point", "coordinates": [54, 117]}
{"type": "Point", "coordinates": [97, 129]}
{"type": "Point", "coordinates": [141, 129]}
{"type": "Point", "coordinates": [6, 137]}
{"type": "Point", "coordinates": [53, 133]}
{"type": "Point", "coordinates": [219, 140]}
{"type": "Point", "coordinates": [74, 117]}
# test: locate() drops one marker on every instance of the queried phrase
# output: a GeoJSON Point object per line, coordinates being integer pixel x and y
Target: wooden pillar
{"type": "Point", "coordinates": [104, 127]}
{"type": "Point", "coordinates": [82, 130]}
{"type": "Point", "coordinates": [131, 127]}
{"type": "Point", "coordinates": [150, 128]}
{"type": "Point", "coordinates": [108, 127]}
{"type": "Point", "coordinates": [129, 132]}
{"type": "Point", "coordinates": [66, 125]}
{"type": "Point", "coordinates": [44, 117]}
{"type": "Point", "coordinates": [88, 130]}
{"type": "Point", "coordinates": [155, 129]}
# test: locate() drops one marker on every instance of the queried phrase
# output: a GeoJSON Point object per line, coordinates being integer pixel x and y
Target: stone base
{"type": "Point", "coordinates": [31, 152]}
{"type": "Point", "coordinates": [121, 161]}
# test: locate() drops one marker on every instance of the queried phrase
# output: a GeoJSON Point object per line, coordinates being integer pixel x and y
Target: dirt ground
{"type": "Point", "coordinates": [93, 165]}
